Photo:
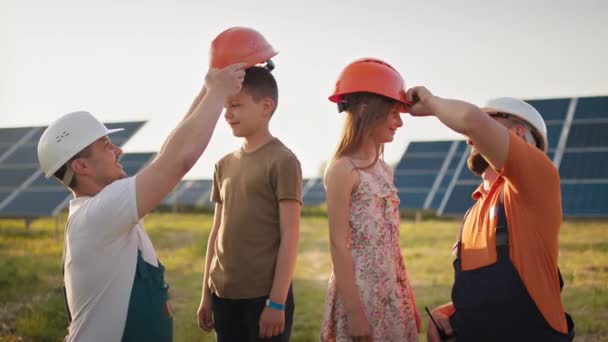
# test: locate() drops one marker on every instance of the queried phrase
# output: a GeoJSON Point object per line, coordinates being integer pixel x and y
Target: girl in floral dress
{"type": "Point", "coordinates": [369, 296]}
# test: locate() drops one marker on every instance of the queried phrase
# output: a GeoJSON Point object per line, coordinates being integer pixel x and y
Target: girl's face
{"type": "Point", "coordinates": [386, 129]}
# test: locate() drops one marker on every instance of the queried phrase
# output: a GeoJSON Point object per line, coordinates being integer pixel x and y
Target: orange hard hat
{"type": "Point", "coordinates": [370, 75]}
{"type": "Point", "coordinates": [240, 45]}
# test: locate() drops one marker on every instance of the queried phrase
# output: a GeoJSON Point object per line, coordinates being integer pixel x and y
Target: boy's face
{"type": "Point", "coordinates": [246, 116]}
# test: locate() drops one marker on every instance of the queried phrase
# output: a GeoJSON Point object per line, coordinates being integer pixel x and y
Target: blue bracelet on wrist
{"type": "Point", "coordinates": [274, 305]}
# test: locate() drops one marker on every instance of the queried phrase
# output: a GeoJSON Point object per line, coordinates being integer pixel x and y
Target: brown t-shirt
{"type": "Point", "coordinates": [250, 185]}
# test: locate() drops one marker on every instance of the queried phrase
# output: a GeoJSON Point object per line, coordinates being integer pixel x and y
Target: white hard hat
{"type": "Point", "coordinates": [67, 136]}
{"type": "Point", "coordinates": [522, 111]}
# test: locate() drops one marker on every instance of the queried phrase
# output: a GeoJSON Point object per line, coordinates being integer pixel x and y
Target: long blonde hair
{"type": "Point", "coordinates": [364, 112]}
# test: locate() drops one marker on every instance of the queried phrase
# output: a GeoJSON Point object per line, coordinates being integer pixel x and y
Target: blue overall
{"type": "Point", "coordinates": [149, 317]}
{"type": "Point", "coordinates": [492, 303]}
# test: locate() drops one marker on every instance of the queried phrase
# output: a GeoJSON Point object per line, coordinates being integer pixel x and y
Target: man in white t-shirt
{"type": "Point", "coordinates": [114, 284]}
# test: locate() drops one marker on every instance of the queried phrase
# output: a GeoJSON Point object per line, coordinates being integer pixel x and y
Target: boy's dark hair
{"type": "Point", "coordinates": [259, 83]}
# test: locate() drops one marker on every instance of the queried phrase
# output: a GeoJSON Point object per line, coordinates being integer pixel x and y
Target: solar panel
{"type": "Point", "coordinates": [11, 178]}
{"type": "Point", "coordinates": [551, 109]}
{"type": "Point", "coordinates": [24, 155]}
{"type": "Point", "coordinates": [24, 192]}
{"type": "Point", "coordinates": [584, 166]}
{"type": "Point", "coordinates": [9, 136]}
{"type": "Point", "coordinates": [436, 201]}
{"type": "Point", "coordinates": [580, 199]}
{"type": "Point", "coordinates": [578, 146]}
{"type": "Point", "coordinates": [422, 174]}
{"type": "Point", "coordinates": [460, 199]}
{"type": "Point", "coordinates": [133, 162]}
{"type": "Point", "coordinates": [34, 203]}
{"type": "Point", "coordinates": [429, 147]}
{"type": "Point", "coordinates": [592, 108]}
{"type": "Point", "coordinates": [45, 197]}
{"type": "Point", "coordinates": [588, 134]}
{"type": "Point", "coordinates": [43, 182]}
{"type": "Point", "coordinates": [190, 193]}
{"type": "Point", "coordinates": [554, 131]}
{"type": "Point", "coordinates": [4, 194]}
{"type": "Point", "coordinates": [313, 192]}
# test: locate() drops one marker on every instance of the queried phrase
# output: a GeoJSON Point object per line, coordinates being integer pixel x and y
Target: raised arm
{"type": "Point", "coordinates": [489, 136]}
{"type": "Point", "coordinates": [188, 140]}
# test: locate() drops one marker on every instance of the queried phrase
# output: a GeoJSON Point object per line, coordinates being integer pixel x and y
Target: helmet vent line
{"type": "Point", "coordinates": [60, 137]}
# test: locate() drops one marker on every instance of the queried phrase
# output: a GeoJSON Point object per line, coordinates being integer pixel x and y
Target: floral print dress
{"type": "Point", "coordinates": [380, 275]}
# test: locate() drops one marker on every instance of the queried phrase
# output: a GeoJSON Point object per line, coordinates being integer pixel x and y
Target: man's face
{"type": "Point", "coordinates": [103, 162]}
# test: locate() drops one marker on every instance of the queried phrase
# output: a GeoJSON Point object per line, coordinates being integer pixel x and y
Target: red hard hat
{"type": "Point", "coordinates": [240, 45]}
{"type": "Point", "coordinates": [370, 75]}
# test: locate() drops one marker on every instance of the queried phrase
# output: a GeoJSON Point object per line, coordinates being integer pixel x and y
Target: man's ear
{"type": "Point", "coordinates": [79, 166]}
{"type": "Point", "coordinates": [520, 131]}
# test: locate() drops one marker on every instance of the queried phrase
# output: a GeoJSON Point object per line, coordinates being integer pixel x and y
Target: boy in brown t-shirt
{"type": "Point", "coordinates": [252, 248]}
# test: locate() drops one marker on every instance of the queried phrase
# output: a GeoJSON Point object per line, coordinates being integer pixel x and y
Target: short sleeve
{"type": "Point", "coordinates": [116, 207]}
{"type": "Point", "coordinates": [215, 186]}
{"type": "Point", "coordinates": [286, 177]}
{"type": "Point", "coordinates": [529, 170]}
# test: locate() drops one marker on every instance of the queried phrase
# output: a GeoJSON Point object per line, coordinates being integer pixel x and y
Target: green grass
{"type": "Point", "coordinates": [30, 273]}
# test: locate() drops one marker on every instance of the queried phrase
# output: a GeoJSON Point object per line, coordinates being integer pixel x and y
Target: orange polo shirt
{"type": "Point", "coordinates": [534, 214]}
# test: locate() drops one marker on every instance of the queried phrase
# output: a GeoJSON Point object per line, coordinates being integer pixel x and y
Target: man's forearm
{"type": "Point", "coordinates": [458, 115]}
{"type": "Point", "coordinates": [197, 127]}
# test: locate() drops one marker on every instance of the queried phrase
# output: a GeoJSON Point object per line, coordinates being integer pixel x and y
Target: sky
{"type": "Point", "coordinates": [146, 60]}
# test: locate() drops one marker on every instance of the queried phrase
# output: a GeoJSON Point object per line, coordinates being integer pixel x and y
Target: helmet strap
{"type": "Point", "coordinates": [342, 105]}
{"type": "Point", "coordinates": [67, 176]}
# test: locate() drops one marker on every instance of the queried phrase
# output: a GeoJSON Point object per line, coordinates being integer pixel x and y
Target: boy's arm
{"type": "Point", "coordinates": [205, 321]}
{"type": "Point", "coordinates": [286, 178]}
{"type": "Point", "coordinates": [272, 322]}
{"type": "Point", "coordinates": [289, 211]}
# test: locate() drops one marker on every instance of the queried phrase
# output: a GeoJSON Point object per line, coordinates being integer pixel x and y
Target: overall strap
{"type": "Point", "coordinates": [457, 245]}
{"type": "Point", "coordinates": [502, 226]}
{"type": "Point", "coordinates": [502, 231]}
{"type": "Point", "coordinates": [65, 293]}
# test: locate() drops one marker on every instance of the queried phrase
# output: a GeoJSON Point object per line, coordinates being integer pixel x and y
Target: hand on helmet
{"type": "Point", "coordinates": [227, 81]}
{"type": "Point", "coordinates": [419, 97]}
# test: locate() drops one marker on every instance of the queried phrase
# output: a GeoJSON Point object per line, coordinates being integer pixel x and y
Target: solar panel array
{"type": "Point", "coordinates": [431, 175]}
{"type": "Point", "coordinates": [424, 172]}
{"type": "Point", "coordinates": [578, 146]}
{"type": "Point", "coordinates": [24, 191]}
{"type": "Point", "coordinates": [195, 193]}
{"type": "Point", "coordinates": [583, 166]}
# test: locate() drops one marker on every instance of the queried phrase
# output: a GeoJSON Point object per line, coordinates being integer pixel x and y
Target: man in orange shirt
{"type": "Point", "coordinates": [507, 284]}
